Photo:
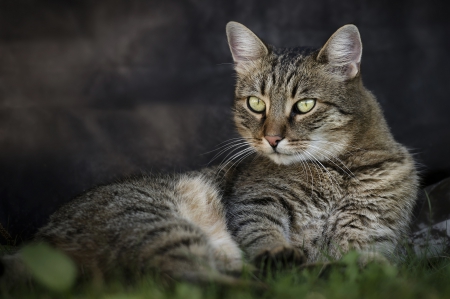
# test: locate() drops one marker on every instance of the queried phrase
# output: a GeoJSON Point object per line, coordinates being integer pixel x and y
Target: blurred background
{"type": "Point", "coordinates": [94, 91]}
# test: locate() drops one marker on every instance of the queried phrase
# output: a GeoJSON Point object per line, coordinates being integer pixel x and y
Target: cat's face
{"type": "Point", "coordinates": [291, 106]}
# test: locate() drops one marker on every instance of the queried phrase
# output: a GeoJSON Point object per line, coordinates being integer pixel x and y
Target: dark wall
{"type": "Point", "coordinates": [92, 91]}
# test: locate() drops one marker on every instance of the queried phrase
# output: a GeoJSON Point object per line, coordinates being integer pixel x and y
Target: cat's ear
{"type": "Point", "coordinates": [343, 52]}
{"type": "Point", "coordinates": [245, 46]}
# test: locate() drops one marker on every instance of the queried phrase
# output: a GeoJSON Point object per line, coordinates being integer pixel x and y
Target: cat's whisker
{"type": "Point", "coordinates": [321, 178]}
{"type": "Point", "coordinates": [240, 138]}
{"type": "Point", "coordinates": [242, 158]}
{"type": "Point", "coordinates": [312, 179]}
{"type": "Point", "coordinates": [235, 156]}
{"type": "Point", "coordinates": [341, 144]}
{"type": "Point", "coordinates": [304, 164]}
{"type": "Point", "coordinates": [335, 157]}
{"type": "Point", "coordinates": [256, 156]}
{"type": "Point", "coordinates": [235, 138]}
{"type": "Point", "coordinates": [227, 142]}
{"type": "Point", "coordinates": [229, 146]}
{"type": "Point", "coordinates": [233, 147]}
{"type": "Point", "coordinates": [339, 160]}
{"type": "Point", "coordinates": [233, 153]}
{"type": "Point", "coordinates": [224, 146]}
{"type": "Point", "coordinates": [304, 170]}
{"type": "Point", "coordinates": [332, 178]}
{"type": "Point", "coordinates": [351, 174]}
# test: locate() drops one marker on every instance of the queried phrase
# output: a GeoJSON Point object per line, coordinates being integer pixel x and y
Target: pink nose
{"type": "Point", "coordinates": [273, 140]}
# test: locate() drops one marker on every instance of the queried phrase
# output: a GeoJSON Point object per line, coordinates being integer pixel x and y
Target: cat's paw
{"type": "Point", "coordinates": [278, 258]}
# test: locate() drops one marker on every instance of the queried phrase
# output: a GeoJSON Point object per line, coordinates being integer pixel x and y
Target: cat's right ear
{"type": "Point", "coordinates": [342, 52]}
{"type": "Point", "coordinates": [245, 46]}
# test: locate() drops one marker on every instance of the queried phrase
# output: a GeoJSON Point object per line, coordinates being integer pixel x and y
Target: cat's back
{"type": "Point", "coordinates": [124, 198]}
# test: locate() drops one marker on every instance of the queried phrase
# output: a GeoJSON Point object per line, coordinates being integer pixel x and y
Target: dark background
{"type": "Point", "coordinates": [92, 91]}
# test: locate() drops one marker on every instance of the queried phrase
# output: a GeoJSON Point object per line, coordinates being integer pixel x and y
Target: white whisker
{"type": "Point", "coordinates": [240, 160]}
{"type": "Point", "coordinates": [304, 164]}
{"type": "Point", "coordinates": [228, 142]}
{"type": "Point", "coordinates": [351, 174]}
{"type": "Point", "coordinates": [341, 144]}
{"type": "Point", "coordinates": [232, 153]}
{"type": "Point", "coordinates": [333, 180]}
{"type": "Point", "coordinates": [233, 147]}
{"type": "Point", "coordinates": [236, 155]}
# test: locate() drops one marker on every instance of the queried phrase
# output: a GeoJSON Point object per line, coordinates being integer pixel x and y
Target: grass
{"type": "Point", "coordinates": [414, 278]}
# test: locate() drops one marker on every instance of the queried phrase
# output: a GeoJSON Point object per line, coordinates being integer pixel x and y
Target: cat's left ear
{"type": "Point", "coordinates": [245, 46]}
{"type": "Point", "coordinates": [343, 52]}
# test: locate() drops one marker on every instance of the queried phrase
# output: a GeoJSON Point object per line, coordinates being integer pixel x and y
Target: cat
{"type": "Point", "coordinates": [328, 176]}
{"type": "Point", "coordinates": [321, 175]}
{"type": "Point", "coordinates": [173, 226]}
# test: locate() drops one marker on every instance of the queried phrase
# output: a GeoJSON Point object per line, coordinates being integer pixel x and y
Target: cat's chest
{"type": "Point", "coordinates": [309, 189]}
{"type": "Point", "coordinates": [302, 199]}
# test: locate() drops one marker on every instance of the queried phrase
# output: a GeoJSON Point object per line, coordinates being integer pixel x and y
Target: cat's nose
{"type": "Point", "coordinates": [273, 140]}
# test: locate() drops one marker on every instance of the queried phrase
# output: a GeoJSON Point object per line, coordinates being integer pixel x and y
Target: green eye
{"type": "Point", "coordinates": [304, 106]}
{"type": "Point", "coordinates": [256, 105]}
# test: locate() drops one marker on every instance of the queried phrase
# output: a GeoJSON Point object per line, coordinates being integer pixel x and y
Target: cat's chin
{"type": "Point", "coordinates": [283, 159]}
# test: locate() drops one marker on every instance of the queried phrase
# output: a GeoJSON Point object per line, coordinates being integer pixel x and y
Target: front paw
{"type": "Point", "coordinates": [279, 258]}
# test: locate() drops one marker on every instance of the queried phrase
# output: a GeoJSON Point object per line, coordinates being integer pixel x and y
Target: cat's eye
{"type": "Point", "coordinates": [256, 104]}
{"type": "Point", "coordinates": [304, 106]}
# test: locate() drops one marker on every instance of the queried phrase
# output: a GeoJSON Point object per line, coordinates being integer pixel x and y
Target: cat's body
{"type": "Point", "coordinates": [173, 226]}
{"type": "Point", "coordinates": [327, 177]}
{"type": "Point", "coordinates": [322, 209]}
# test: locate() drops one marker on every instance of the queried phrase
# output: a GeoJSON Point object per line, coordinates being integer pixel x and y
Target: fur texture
{"type": "Point", "coordinates": [336, 180]}
{"type": "Point", "coordinates": [170, 225]}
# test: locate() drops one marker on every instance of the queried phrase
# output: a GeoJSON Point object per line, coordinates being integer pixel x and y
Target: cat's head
{"type": "Point", "coordinates": [291, 105]}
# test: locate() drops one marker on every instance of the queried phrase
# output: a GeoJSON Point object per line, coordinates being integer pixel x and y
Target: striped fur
{"type": "Point", "coordinates": [173, 226]}
{"type": "Point", "coordinates": [337, 180]}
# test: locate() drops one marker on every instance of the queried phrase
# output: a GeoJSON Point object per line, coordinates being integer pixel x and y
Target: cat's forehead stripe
{"type": "Point", "coordinates": [263, 86]}
{"type": "Point", "coordinates": [284, 72]}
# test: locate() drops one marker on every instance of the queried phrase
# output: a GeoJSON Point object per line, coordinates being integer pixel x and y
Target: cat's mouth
{"type": "Point", "coordinates": [284, 153]}
{"type": "Point", "coordinates": [283, 149]}
{"type": "Point", "coordinates": [277, 153]}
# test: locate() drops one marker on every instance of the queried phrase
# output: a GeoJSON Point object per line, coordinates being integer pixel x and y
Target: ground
{"type": "Point", "coordinates": [413, 278]}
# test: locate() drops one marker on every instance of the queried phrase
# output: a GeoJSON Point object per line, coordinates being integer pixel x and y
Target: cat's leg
{"type": "Point", "coordinates": [151, 225]}
{"type": "Point", "coordinates": [161, 242]}
{"type": "Point", "coordinates": [261, 226]}
{"type": "Point", "coordinates": [371, 228]}
{"type": "Point", "coordinates": [199, 202]}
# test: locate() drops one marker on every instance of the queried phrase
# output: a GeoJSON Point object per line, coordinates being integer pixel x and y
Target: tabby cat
{"type": "Point", "coordinates": [328, 175]}
{"type": "Point", "coordinates": [316, 174]}
{"type": "Point", "coordinates": [172, 226]}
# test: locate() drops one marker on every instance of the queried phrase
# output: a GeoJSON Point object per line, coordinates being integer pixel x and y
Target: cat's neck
{"type": "Point", "coordinates": [374, 133]}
